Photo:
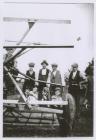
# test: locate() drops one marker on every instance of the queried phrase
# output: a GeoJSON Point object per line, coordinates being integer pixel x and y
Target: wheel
{"type": "Point", "coordinates": [66, 120]}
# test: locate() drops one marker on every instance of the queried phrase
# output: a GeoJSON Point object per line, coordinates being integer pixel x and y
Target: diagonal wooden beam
{"type": "Point", "coordinates": [16, 85]}
{"type": "Point", "coordinates": [13, 57]}
{"type": "Point", "coordinates": [26, 32]}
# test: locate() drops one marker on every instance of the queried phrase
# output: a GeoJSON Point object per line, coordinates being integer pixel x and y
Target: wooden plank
{"type": "Point", "coordinates": [38, 44]}
{"type": "Point", "coordinates": [36, 102]}
{"type": "Point", "coordinates": [37, 109]}
{"type": "Point", "coordinates": [47, 110]}
{"type": "Point", "coordinates": [27, 124]}
{"type": "Point", "coordinates": [56, 21]}
{"type": "Point", "coordinates": [34, 118]}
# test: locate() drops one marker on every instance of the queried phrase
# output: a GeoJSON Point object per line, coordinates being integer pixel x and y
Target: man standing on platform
{"type": "Point", "coordinates": [55, 78]}
{"type": "Point", "coordinates": [43, 76]}
{"type": "Point", "coordinates": [75, 78]}
{"type": "Point", "coordinates": [29, 84]}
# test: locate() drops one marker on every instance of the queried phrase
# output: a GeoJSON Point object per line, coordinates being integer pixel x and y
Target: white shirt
{"type": "Point", "coordinates": [44, 71]}
{"type": "Point", "coordinates": [54, 72]}
{"type": "Point", "coordinates": [74, 74]}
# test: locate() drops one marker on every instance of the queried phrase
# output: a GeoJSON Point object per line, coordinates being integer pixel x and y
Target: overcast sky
{"type": "Point", "coordinates": [81, 16]}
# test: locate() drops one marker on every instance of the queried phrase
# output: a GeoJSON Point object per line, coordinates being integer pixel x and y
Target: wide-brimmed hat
{"type": "Point", "coordinates": [31, 64]}
{"type": "Point", "coordinates": [54, 64]}
{"type": "Point", "coordinates": [75, 65]}
{"type": "Point", "coordinates": [44, 62]}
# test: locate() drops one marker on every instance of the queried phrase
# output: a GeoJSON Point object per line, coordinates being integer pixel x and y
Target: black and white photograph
{"type": "Point", "coordinates": [48, 69]}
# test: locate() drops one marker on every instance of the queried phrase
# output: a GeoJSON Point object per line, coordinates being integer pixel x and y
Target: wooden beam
{"type": "Point", "coordinates": [40, 44]}
{"type": "Point", "coordinates": [37, 109]}
{"type": "Point", "coordinates": [56, 21]}
{"type": "Point", "coordinates": [26, 33]}
{"type": "Point", "coordinates": [16, 85]}
{"type": "Point", "coordinates": [36, 102]}
{"type": "Point", "coordinates": [28, 124]}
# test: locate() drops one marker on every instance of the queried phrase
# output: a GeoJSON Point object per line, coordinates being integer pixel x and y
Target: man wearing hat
{"type": "Point", "coordinates": [29, 84]}
{"type": "Point", "coordinates": [43, 76]}
{"type": "Point", "coordinates": [8, 84]}
{"type": "Point", "coordinates": [57, 96]}
{"type": "Point", "coordinates": [55, 78]}
{"type": "Point", "coordinates": [74, 84]}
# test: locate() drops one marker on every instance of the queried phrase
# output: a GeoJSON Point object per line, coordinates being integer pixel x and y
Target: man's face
{"type": "Point", "coordinates": [57, 92]}
{"type": "Point", "coordinates": [35, 89]}
{"type": "Point", "coordinates": [44, 66]}
{"type": "Point", "coordinates": [75, 69]}
{"type": "Point", "coordinates": [30, 68]}
{"type": "Point", "coordinates": [54, 68]}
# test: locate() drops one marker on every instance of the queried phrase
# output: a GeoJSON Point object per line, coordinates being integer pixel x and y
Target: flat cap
{"type": "Point", "coordinates": [44, 62]}
{"type": "Point", "coordinates": [31, 64]}
{"type": "Point", "coordinates": [54, 64]}
{"type": "Point", "coordinates": [75, 65]}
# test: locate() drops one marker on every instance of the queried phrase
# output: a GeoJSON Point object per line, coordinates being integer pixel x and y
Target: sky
{"type": "Point", "coordinates": [81, 16]}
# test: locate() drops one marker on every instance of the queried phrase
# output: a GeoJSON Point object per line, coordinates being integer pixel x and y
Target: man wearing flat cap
{"type": "Point", "coordinates": [43, 76]}
{"type": "Point", "coordinates": [29, 84]}
{"type": "Point", "coordinates": [55, 77]}
{"type": "Point", "coordinates": [8, 84]}
{"type": "Point", "coordinates": [75, 78]}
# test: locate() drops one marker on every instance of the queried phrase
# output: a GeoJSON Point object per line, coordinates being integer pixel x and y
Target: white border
{"type": "Point", "coordinates": [1, 69]}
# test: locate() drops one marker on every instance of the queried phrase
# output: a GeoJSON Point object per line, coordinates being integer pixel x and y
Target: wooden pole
{"type": "Point", "coordinates": [25, 34]}
{"type": "Point", "coordinates": [17, 87]}
{"type": "Point", "coordinates": [39, 80]}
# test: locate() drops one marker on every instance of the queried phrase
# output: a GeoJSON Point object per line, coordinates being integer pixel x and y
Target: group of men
{"type": "Point", "coordinates": [53, 80]}
{"type": "Point", "coordinates": [46, 78]}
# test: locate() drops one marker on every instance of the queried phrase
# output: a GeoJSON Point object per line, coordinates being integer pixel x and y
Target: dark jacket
{"type": "Point", "coordinates": [76, 79]}
{"type": "Point", "coordinates": [74, 83]}
{"type": "Point", "coordinates": [43, 77]}
{"type": "Point", "coordinates": [29, 84]}
{"type": "Point", "coordinates": [57, 78]}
